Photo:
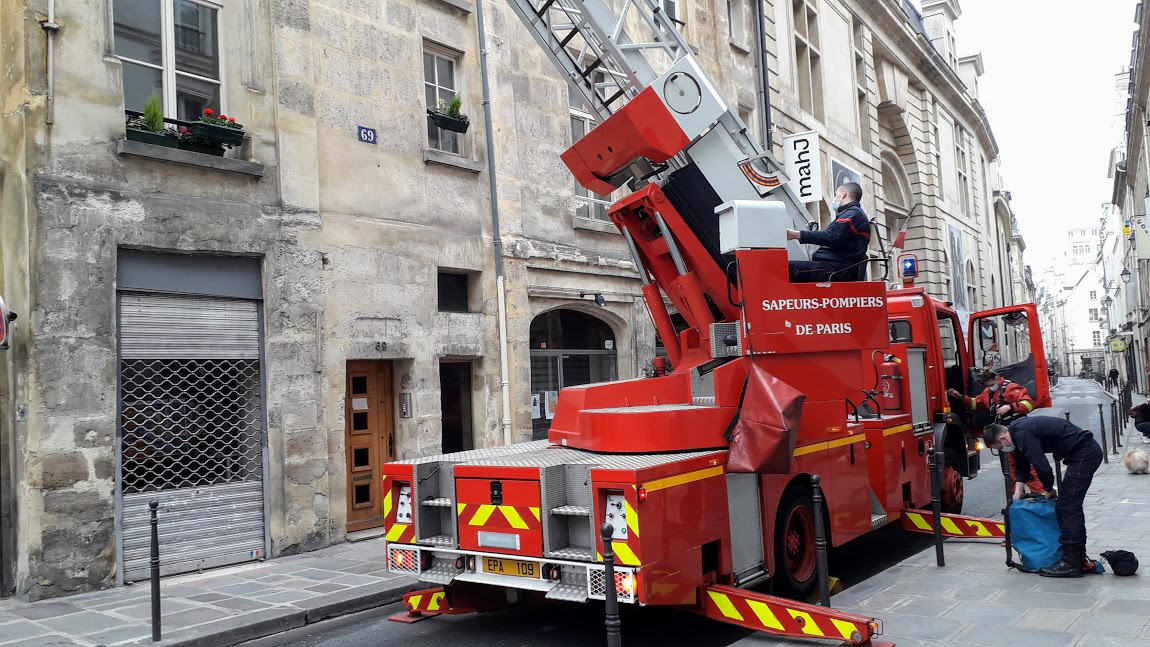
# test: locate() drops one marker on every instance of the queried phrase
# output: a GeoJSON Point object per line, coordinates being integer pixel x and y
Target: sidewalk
{"type": "Point", "coordinates": [976, 601]}
{"type": "Point", "coordinates": [216, 608]}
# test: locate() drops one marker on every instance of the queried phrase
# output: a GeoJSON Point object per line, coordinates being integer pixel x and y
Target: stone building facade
{"type": "Point", "coordinates": [247, 337]}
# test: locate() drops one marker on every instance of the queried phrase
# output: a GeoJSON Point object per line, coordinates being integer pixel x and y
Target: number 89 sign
{"type": "Point", "coordinates": [366, 135]}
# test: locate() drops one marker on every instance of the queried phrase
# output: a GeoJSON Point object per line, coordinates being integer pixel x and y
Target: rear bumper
{"type": "Point", "coordinates": [558, 579]}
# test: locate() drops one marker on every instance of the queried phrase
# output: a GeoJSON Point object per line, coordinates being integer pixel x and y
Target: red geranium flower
{"type": "Point", "coordinates": [232, 119]}
{"type": "Point", "coordinates": [209, 112]}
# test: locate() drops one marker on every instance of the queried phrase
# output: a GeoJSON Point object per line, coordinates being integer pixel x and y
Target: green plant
{"type": "Point", "coordinates": [154, 114]}
{"type": "Point", "coordinates": [454, 106]}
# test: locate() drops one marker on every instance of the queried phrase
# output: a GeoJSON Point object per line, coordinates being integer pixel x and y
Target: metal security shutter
{"type": "Point", "coordinates": [191, 431]}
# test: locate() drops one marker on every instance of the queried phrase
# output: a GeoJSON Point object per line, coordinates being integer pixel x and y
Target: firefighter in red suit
{"type": "Point", "coordinates": [1007, 400]}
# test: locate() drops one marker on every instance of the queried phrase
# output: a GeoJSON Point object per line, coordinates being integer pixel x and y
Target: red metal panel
{"type": "Point", "coordinates": [497, 472]}
{"type": "Point", "coordinates": [518, 514]}
{"type": "Point", "coordinates": [642, 128]}
{"type": "Point", "coordinates": [395, 477]}
{"type": "Point", "coordinates": [790, 317]}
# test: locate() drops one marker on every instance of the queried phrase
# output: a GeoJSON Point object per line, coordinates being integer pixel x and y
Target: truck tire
{"type": "Point", "coordinates": [951, 496]}
{"type": "Point", "coordinates": [796, 572]}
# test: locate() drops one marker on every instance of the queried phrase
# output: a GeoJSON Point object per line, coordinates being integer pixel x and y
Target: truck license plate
{"type": "Point", "coordinates": [510, 567]}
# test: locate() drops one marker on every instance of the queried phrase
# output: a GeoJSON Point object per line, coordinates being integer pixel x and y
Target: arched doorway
{"type": "Point", "coordinates": [568, 348]}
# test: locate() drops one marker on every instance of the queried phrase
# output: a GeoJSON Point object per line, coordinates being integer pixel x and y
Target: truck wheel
{"type": "Point", "coordinates": [952, 483]}
{"type": "Point", "coordinates": [795, 556]}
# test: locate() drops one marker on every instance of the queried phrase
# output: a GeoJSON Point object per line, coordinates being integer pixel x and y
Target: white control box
{"type": "Point", "coordinates": [752, 224]}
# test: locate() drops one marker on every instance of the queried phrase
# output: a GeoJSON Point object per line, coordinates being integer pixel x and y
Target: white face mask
{"type": "Point", "coordinates": [1008, 448]}
{"type": "Point", "coordinates": [836, 204]}
{"type": "Point", "coordinates": [993, 388]}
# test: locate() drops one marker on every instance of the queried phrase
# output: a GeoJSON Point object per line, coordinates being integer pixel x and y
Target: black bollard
{"type": "Point", "coordinates": [1067, 412]}
{"type": "Point", "coordinates": [821, 542]}
{"type": "Point", "coordinates": [1119, 429]}
{"type": "Point", "coordinates": [1007, 479]}
{"type": "Point", "coordinates": [155, 521]}
{"type": "Point", "coordinates": [934, 460]}
{"type": "Point", "coordinates": [612, 605]}
{"type": "Point", "coordinates": [1102, 434]}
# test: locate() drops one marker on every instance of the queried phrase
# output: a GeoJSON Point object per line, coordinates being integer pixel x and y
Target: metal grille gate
{"type": "Point", "coordinates": [191, 431]}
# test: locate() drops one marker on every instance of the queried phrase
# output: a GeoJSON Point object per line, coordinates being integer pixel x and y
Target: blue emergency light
{"type": "Point", "coordinates": [909, 266]}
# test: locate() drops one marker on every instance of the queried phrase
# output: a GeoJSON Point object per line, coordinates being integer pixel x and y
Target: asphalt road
{"type": "Point", "coordinates": [582, 625]}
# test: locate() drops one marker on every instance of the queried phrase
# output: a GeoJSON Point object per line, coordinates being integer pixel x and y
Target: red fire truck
{"type": "Point", "coordinates": [704, 472]}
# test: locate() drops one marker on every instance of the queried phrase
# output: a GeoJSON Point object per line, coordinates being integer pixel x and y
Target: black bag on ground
{"type": "Point", "coordinates": [1122, 561]}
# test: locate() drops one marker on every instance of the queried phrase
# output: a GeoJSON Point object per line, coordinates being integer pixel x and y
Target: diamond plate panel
{"type": "Point", "coordinates": [190, 423]}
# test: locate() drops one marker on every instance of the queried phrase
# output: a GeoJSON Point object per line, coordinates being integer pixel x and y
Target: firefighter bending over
{"type": "Point", "coordinates": [1007, 400]}
{"type": "Point", "coordinates": [842, 246]}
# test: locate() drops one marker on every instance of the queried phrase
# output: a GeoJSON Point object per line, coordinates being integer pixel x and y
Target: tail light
{"type": "Point", "coordinates": [404, 560]}
{"type": "Point", "coordinates": [471, 563]}
{"type": "Point", "coordinates": [625, 584]}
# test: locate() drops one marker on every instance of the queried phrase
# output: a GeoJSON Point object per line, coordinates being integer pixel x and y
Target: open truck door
{"type": "Point", "coordinates": [1009, 341]}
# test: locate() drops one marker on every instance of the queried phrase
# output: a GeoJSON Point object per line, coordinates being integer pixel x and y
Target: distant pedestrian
{"type": "Point", "coordinates": [1141, 416]}
{"type": "Point", "coordinates": [1114, 378]}
{"type": "Point", "coordinates": [1028, 440]}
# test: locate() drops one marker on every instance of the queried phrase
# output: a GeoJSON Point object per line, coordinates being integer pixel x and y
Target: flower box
{"type": "Point", "coordinates": [206, 149]}
{"type": "Point", "coordinates": [218, 134]}
{"type": "Point", "coordinates": [447, 122]}
{"type": "Point", "coordinates": [149, 137]}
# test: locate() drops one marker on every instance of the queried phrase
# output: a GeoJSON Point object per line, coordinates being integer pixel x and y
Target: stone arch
{"type": "Point", "coordinates": [570, 344]}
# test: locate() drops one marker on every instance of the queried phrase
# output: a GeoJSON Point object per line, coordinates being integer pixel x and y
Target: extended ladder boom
{"type": "Point", "coordinates": [591, 44]}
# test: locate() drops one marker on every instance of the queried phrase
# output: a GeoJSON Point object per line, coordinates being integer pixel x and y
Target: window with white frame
{"type": "Point", "coordinates": [858, 40]}
{"type": "Point", "coordinates": [1093, 314]}
{"type": "Point", "coordinates": [962, 163]}
{"type": "Point", "coordinates": [671, 10]}
{"type": "Point", "coordinates": [808, 59]}
{"type": "Point", "coordinates": [440, 85]}
{"type": "Point", "coordinates": [588, 204]}
{"type": "Point", "coordinates": [171, 47]}
{"type": "Point", "coordinates": [1097, 337]}
{"type": "Point", "coordinates": [737, 22]}
{"type": "Point", "coordinates": [971, 290]}
{"type": "Point", "coordinates": [1093, 295]}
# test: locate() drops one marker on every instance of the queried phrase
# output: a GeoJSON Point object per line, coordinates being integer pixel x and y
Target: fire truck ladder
{"type": "Point", "coordinates": [587, 42]}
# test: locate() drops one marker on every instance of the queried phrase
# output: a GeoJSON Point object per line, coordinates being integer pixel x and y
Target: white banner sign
{"type": "Point", "coordinates": [1141, 236]}
{"type": "Point", "coordinates": [803, 165]}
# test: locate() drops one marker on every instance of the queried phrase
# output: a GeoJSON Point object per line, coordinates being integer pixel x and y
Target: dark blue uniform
{"type": "Point", "coordinates": [1036, 436]}
{"type": "Point", "coordinates": [843, 244]}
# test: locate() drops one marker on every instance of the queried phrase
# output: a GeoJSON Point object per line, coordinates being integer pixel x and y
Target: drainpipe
{"type": "Point", "coordinates": [50, 28]}
{"type": "Point", "coordinates": [765, 76]}
{"type": "Point", "coordinates": [500, 289]}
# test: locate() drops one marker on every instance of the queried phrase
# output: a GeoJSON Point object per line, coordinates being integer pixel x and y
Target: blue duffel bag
{"type": "Point", "coordinates": [1034, 533]}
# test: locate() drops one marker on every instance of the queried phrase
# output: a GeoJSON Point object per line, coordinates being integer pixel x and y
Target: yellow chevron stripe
{"type": "Point", "coordinates": [482, 515]}
{"type": "Point", "coordinates": [535, 511]}
{"type": "Point", "coordinates": [897, 430]}
{"type": "Point", "coordinates": [396, 531]}
{"type": "Point", "coordinates": [725, 606]}
{"type": "Point", "coordinates": [460, 507]}
{"type": "Point", "coordinates": [682, 479]}
{"type": "Point", "coordinates": [387, 504]}
{"type": "Point", "coordinates": [513, 517]}
{"type": "Point", "coordinates": [625, 554]}
{"type": "Point", "coordinates": [919, 521]}
{"type": "Point", "coordinates": [766, 616]}
{"type": "Point", "coordinates": [979, 528]}
{"type": "Point", "coordinates": [414, 602]}
{"type": "Point", "coordinates": [632, 519]}
{"type": "Point", "coordinates": [846, 629]}
{"type": "Point", "coordinates": [810, 628]}
{"type": "Point", "coordinates": [949, 526]}
{"type": "Point", "coordinates": [436, 599]}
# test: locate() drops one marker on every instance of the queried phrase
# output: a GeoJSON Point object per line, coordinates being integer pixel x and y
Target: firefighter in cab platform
{"type": "Point", "coordinates": [1008, 401]}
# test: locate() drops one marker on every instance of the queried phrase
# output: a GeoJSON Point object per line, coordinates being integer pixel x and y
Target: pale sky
{"type": "Point", "coordinates": [1049, 91]}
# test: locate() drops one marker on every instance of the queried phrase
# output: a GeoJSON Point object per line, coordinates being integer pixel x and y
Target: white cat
{"type": "Point", "coordinates": [1137, 461]}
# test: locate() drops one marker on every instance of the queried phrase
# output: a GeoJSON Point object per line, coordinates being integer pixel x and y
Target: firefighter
{"type": "Point", "coordinates": [1007, 400]}
{"type": "Point", "coordinates": [842, 246]}
{"type": "Point", "coordinates": [1030, 439]}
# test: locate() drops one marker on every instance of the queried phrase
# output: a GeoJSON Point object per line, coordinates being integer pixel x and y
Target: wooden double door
{"type": "Point", "coordinates": [369, 412]}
